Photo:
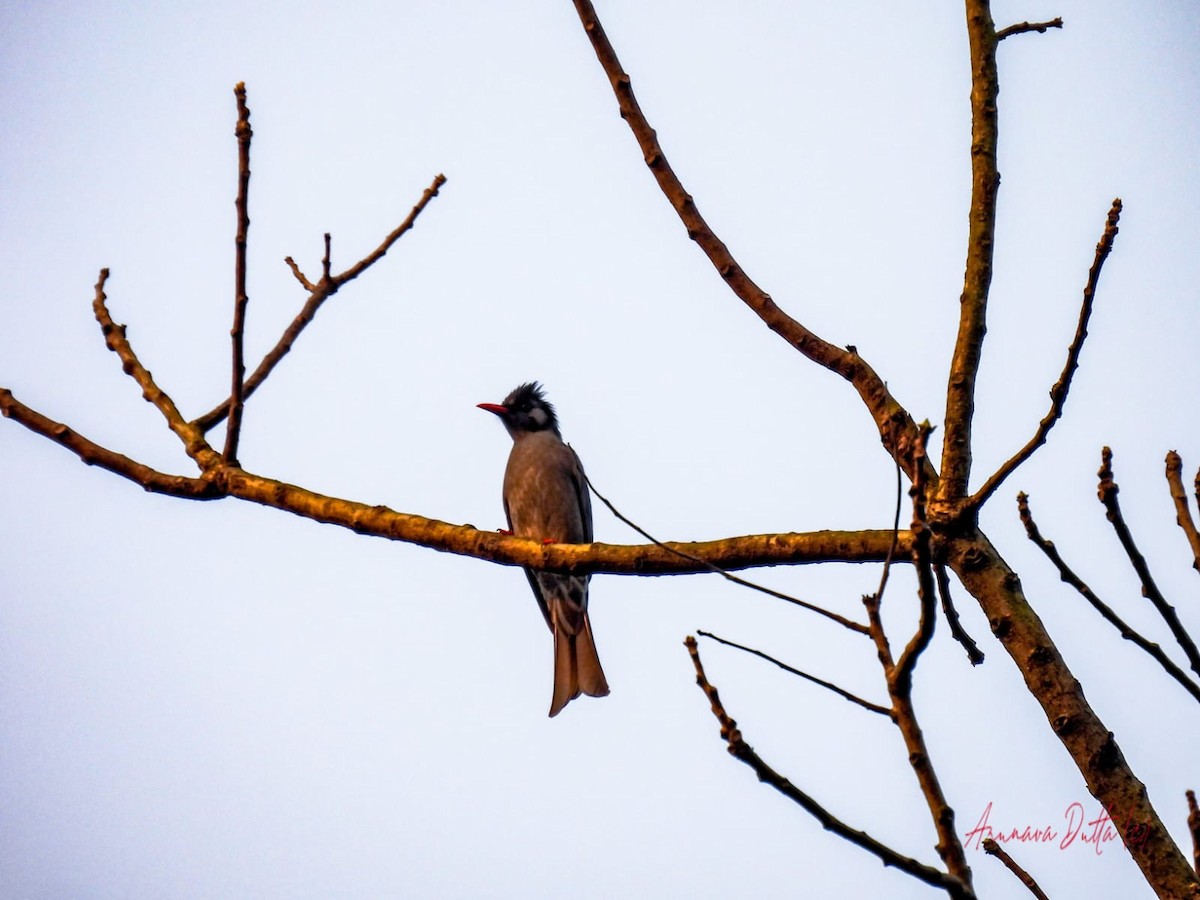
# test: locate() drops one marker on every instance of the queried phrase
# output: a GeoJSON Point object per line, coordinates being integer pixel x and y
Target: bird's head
{"type": "Point", "coordinates": [525, 410]}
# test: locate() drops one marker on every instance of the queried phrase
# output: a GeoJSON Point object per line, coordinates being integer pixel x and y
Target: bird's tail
{"type": "Point", "coordinates": [576, 667]}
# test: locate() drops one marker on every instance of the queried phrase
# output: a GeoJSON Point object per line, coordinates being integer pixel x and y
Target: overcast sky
{"type": "Point", "coordinates": [219, 700]}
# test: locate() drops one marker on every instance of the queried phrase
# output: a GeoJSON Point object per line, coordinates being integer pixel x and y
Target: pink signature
{"type": "Point", "coordinates": [1077, 828]}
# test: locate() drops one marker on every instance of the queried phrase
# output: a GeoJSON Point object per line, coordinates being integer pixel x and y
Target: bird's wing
{"type": "Point", "coordinates": [582, 495]}
{"type": "Point", "coordinates": [533, 582]}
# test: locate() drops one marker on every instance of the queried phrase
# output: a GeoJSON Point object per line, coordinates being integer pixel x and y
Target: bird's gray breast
{"type": "Point", "coordinates": [546, 498]}
{"type": "Point", "coordinates": [544, 491]}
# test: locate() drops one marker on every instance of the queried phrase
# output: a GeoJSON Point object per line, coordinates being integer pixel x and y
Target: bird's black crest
{"type": "Point", "coordinates": [527, 397]}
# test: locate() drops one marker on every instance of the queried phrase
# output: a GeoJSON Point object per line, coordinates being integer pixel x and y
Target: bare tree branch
{"type": "Point", "coordinates": [1183, 515]}
{"type": "Point", "coordinates": [896, 427]}
{"type": "Point", "coordinates": [992, 848]}
{"type": "Point", "coordinates": [883, 649]}
{"type": "Point", "coordinates": [811, 607]}
{"type": "Point", "coordinates": [926, 594]}
{"type": "Point", "coordinates": [1023, 27]}
{"type": "Point", "coordinates": [1107, 492]}
{"type": "Point", "coordinates": [1093, 747]}
{"type": "Point", "coordinates": [95, 455]}
{"type": "Point", "coordinates": [902, 675]}
{"type": "Point", "coordinates": [974, 654]}
{"type": "Point", "coordinates": [300, 277]}
{"type": "Point", "coordinates": [740, 750]}
{"type": "Point", "coordinates": [114, 338]}
{"type": "Point", "coordinates": [1066, 574]}
{"type": "Point", "coordinates": [981, 237]}
{"type": "Point", "coordinates": [670, 558]}
{"type": "Point", "coordinates": [318, 294]}
{"type": "Point", "coordinates": [898, 678]}
{"type": "Point", "coordinates": [972, 556]}
{"type": "Point", "coordinates": [244, 134]}
{"type": "Point", "coordinates": [1193, 823]}
{"type": "Point", "coordinates": [887, 563]}
{"type": "Point", "coordinates": [959, 543]}
{"type": "Point", "coordinates": [1058, 393]}
{"type": "Point", "coordinates": [673, 558]}
{"type": "Point", "coordinates": [841, 692]}
{"type": "Point", "coordinates": [1196, 487]}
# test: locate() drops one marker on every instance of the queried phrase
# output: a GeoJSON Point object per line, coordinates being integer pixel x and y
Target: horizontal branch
{"type": "Point", "coordinates": [1025, 27]}
{"type": "Point", "coordinates": [95, 455]}
{"type": "Point", "coordinates": [669, 558]}
{"type": "Point", "coordinates": [646, 559]}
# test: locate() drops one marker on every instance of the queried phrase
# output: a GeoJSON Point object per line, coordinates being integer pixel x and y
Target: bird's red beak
{"type": "Point", "coordinates": [494, 408]}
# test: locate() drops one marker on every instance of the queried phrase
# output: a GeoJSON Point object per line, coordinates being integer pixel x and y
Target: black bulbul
{"type": "Point", "coordinates": [546, 498]}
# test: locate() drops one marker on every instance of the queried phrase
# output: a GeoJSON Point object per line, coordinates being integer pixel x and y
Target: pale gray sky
{"type": "Point", "coordinates": [217, 700]}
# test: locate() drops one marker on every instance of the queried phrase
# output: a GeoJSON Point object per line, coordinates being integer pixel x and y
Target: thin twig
{"type": "Point", "coordinates": [974, 654]}
{"type": "Point", "coordinates": [1196, 487]}
{"type": "Point", "coordinates": [1107, 492]}
{"type": "Point", "coordinates": [1023, 27]}
{"type": "Point", "coordinates": [244, 133]}
{"type": "Point", "coordinates": [993, 849]}
{"type": "Point", "coordinates": [853, 698]}
{"type": "Point", "coordinates": [896, 427]}
{"type": "Point", "coordinates": [318, 294]}
{"type": "Point", "coordinates": [841, 620]}
{"type": "Point", "coordinates": [883, 649]}
{"type": "Point", "coordinates": [304, 282]}
{"type": "Point", "coordinates": [1193, 823]}
{"type": "Point", "coordinates": [95, 455]}
{"type": "Point", "coordinates": [740, 750]}
{"type": "Point", "coordinates": [926, 593]}
{"type": "Point", "coordinates": [887, 563]}
{"type": "Point", "coordinates": [873, 602]}
{"type": "Point", "coordinates": [377, 254]}
{"type": "Point", "coordinates": [1068, 575]}
{"type": "Point", "coordinates": [114, 338]}
{"type": "Point", "coordinates": [1058, 393]}
{"type": "Point", "coordinates": [1183, 514]}
{"type": "Point", "coordinates": [899, 677]}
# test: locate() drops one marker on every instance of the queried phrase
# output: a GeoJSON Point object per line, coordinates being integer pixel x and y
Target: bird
{"type": "Point", "coordinates": [546, 498]}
